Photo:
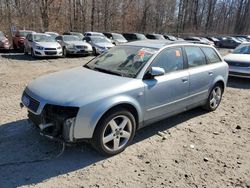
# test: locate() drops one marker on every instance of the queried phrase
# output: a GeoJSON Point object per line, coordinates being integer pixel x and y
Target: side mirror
{"type": "Point", "coordinates": [156, 71]}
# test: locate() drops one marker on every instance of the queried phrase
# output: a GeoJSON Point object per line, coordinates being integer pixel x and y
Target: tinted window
{"type": "Point", "coordinates": [195, 56]}
{"type": "Point", "coordinates": [211, 55]}
{"type": "Point", "coordinates": [170, 60]}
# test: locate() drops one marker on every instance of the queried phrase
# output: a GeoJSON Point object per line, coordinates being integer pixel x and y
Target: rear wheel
{"type": "Point", "coordinates": [114, 132]}
{"type": "Point", "coordinates": [214, 98]}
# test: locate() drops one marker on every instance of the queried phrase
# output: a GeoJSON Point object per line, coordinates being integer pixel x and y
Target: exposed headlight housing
{"type": "Point", "coordinates": [39, 48]}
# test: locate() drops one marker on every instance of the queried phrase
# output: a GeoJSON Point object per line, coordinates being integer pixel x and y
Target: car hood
{"type": "Point", "coordinates": [244, 58]}
{"type": "Point", "coordinates": [121, 40]}
{"type": "Point", "coordinates": [48, 44]}
{"type": "Point", "coordinates": [104, 44]}
{"type": "Point", "coordinates": [76, 87]}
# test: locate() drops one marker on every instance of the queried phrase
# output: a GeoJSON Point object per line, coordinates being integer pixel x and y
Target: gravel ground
{"type": "Point", "coordinates": [193, 149]}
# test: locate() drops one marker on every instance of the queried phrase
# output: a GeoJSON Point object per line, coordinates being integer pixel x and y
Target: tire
{"type": "Point", "coordinates": [114, 132]}
{"type": "Point", "coordinates": [214, 98]}
{"type": "Point", "coordinates": [25, 51]}
{"type": "Point", "coordinates": [94, 52]}
{"type": "Point", "coordinates": [32, 52]}
{"type": "Point", "coordinates": [14, 46]}
{"type": "Point", "coordinates": [64, 52]}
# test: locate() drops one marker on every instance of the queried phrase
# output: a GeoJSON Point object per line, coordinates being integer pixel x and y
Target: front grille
{"type": "Point", "coordinates": [29, 102]}
{"type": "Point", "coordinates": [81, 47]}
{"type": "Point", "coordinates": [50, 48]}
{"type": "Point", "coordinates": [50, 52]}
{"type": "Point", "coordinates": [36, 119]}
{"type": "Point", "coordinates": [238, 64]}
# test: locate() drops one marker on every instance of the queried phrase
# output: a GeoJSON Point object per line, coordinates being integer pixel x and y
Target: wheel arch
{"type": "Point", "coordinates": [219, 81]}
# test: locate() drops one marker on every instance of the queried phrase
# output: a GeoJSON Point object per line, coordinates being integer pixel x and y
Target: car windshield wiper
{"type": "Point", "coordinates": [107, 71]}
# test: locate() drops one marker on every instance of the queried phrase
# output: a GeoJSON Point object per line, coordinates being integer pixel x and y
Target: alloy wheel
{"type": "Point", "coordinates": [117, 133]}
{"type": "Point", "coordinates": [215, 97]}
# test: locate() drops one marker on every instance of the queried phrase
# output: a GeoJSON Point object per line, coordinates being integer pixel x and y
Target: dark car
{"type": "Point", "coordinates": [134, 36]}
{"type": "Point", "coordinates": [155, 36]}
{"type": "Point", "coordinates": [229, 43]}
{"type": "Point", "coordinates": [4, 42]}
{"type": "Point", "coordinates": [19, 39]}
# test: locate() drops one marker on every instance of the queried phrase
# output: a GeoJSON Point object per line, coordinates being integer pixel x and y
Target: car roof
{"type": "Point", "coordinates": [161, 43]}
{"type": "Point", "coordinates": [41, 34]}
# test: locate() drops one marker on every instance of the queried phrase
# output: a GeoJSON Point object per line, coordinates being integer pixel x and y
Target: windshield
{"type": "Point", "coordinates": [43, 38]}
{"type": "Point", "coordinates": [53, 35]}
{"type": "Point", "coordinates": [242, 49]}
{"type": "Point", "coordinates": [122, 60]}
{"type": "Point", "coordinates": [80, 35]}
{"type": "Point", "coordinates": [100, 40]}
{"type": "Point", "coordinates": [71, 38]}
{"type": "Point", "coordinates": [159, 36]}
{"type": "Point", "coordinates": [24, 33]}
{"type": "Point", "coordinates": [118, 36]}
{"type": "Point", "coordinates": [141, 36]}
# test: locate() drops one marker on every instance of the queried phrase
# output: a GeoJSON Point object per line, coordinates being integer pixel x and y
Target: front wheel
{"type": "Point", "coordinates": [214, 98]}
{"type": "Point", "coordinates": [114, 132]}
{"type": "Point", "coordinates": [64, 52]}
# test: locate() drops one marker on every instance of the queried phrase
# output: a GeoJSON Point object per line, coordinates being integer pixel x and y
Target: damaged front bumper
{"type": "Point", "coordinates": [55, 122]}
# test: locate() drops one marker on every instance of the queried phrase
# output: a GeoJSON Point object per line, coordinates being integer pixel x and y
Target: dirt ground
{"type": "Point", "coordinates": [194, 149]}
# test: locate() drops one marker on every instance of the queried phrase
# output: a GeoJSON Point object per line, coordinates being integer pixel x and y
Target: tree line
{"type": "Point", "coordinates": [147, 16]}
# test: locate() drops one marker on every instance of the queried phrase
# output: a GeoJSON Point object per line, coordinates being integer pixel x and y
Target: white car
{"type": "Point", "coordinates": [239, 61]}
{"type": "Point", "coordinates": [40, 44]}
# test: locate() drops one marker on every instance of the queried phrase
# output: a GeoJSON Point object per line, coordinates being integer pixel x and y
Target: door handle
{"type": "Point", "coordinates": [184, 79]}
{"type": "Point", "coordinates": [210, 73]}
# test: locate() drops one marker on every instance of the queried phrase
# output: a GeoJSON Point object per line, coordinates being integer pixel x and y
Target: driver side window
{"type": "Point", "coordinates": [170, 60]}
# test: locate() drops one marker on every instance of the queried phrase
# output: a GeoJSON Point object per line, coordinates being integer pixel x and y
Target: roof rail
{"type": "Point", "coordinates": [188, 41]}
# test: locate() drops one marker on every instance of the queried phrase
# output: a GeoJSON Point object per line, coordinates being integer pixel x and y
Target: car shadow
{"type": "Point", "coordinates": [239, 83]}
{"type": "Point", "coordinates": [22, 56]}
{"type": "Point", "coordinates": [20, 143]}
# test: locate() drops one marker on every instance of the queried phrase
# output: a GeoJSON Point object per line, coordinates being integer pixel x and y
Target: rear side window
{"type": "Point", "coordinates": [211, 55]}
{"type": "Point", "coordinates": [195, 56]}
{"type": "Point", "coordinates": [170, 60]}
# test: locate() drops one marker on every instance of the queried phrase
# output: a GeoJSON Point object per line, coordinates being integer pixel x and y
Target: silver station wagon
{"type": "Point", "coordinates": [125, 89]}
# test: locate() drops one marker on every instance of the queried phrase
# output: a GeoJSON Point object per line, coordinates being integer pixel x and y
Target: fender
{"type": "Point", "coordinates": [93, 113]}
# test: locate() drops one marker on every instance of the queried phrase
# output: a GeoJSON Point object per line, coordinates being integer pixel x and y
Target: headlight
{"type": "Point", "coordinates": [71, 46]}
{"type": "Point", "coordinates": [101, 48]}
{"type": "Point", "coordinates": [59, 47]}
{"type": "Point", "coordinates": [39, 48]}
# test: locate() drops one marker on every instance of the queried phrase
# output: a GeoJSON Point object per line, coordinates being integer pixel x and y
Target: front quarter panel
{"type": "Point", "coordinates": [90, 114]}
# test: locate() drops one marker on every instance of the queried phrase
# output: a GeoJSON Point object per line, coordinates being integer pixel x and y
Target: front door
{"type": "Point", "coordinates": [167, 94]}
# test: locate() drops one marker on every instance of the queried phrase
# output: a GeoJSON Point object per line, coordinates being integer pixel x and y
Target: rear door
{"type": "Point", "coordinates": [167, 94]}
{"type": "Point", "coordinates": [200, 75]}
